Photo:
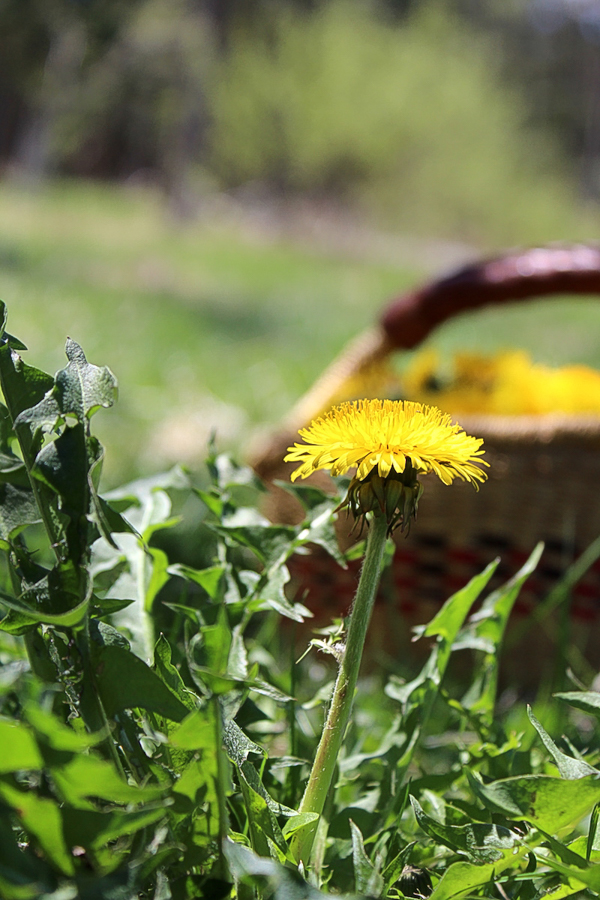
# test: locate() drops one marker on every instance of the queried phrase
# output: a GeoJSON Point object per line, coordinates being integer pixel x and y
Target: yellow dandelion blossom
{"type": "Point", "coordinates": [390, 443]}
{"type": "Point", "coordinates": [383, 435]}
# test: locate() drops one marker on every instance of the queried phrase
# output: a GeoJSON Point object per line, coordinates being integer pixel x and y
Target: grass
{"type": "Point", "coordinates": [181, 315]}
{"type": "Point", "coordinates": [213, 325]}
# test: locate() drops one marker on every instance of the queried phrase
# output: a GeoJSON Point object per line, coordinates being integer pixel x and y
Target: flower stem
{"type": "Point", "coordinates": [326, 758]}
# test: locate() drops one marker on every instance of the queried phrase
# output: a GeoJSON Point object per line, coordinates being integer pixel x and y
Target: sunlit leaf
{"type": "Point", "coordinates": [40, 817]}
{"type": "Point", "coordinates": [588, 701]}
{"type": "Point", "coordinates": [486, 629]}
{"type": "Point", "coordinates": [549, 803]}
{"type": "Point", "coordinates": [19, 747]}
{"type": "Point", "coordinates": [482, 843]}
{"type": "Point", "coordinates": [366, 877]}
{"type": "Point", "coordinates": [568, 766]}
{"type": "Point", "coordinates": [82, 388]}
{"type": "Point", "coordinates": [209, 579]}
{"type": "Point", "coordinates": [86, 776]}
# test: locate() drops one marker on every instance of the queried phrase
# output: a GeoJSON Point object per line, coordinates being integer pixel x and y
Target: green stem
{"type": "Point", "coordinates": [91, 707]}
{"type": "Point", "coordinates": [326, 758]}
{"type": "Point", "coordinates": [221, 787]}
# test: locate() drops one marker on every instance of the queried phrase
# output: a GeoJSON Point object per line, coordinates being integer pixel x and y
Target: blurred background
{"type": "Point", "coordinates": [214, 196]}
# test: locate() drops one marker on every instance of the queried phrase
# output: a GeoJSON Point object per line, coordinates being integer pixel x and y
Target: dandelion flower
{"type": "Point", "coordinates": [391, 443]}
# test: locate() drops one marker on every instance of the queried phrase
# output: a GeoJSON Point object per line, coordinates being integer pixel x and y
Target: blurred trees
{"type": "Point", "coordinates": [105, 87]}
{"type": "Point", "coordinates": [410, 119]}
{"type": "Point", "coordinates": [369, 98]}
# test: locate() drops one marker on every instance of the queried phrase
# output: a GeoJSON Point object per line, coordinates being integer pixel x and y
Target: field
{"type": "Point", "coordinates": [223, 323]}
{"type": "Point", "coordinates": [163, 730]}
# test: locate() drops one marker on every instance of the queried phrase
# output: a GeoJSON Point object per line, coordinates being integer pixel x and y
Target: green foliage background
{"type": "Point", "coordinates": [157, 728]}
{"type": "Point", "coordinates": [428, 117]}
{"type": "Point", "coordinates": [412, 121]}
{"type": "Point", "coordinates": [222, 324]}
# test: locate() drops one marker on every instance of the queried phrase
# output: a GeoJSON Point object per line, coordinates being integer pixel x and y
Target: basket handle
{"type": "Point", "coordinates": [519, 275]}
{"type": "Point", "coordinates": [538, 272]}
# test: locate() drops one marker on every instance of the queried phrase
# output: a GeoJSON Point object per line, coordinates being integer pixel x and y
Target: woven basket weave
{"type": "Point", "coordinates": [544, 476]}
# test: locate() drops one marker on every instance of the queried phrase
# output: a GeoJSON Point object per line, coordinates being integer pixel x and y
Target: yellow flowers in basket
{"type": "Point", "coordinates": [508, 384]}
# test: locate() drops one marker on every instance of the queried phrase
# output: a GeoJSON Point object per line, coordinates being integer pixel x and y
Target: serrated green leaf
{"type": "Point", "coordinates": [23, 875]}
{"type": "Point", "coordinates": [18, 509]}
{"type": "Point", "coordinates": [321, 530]}
{"type": "Point", "coordinates": [568, 767]}
{"type": "Point", "coordinates": [272, 544]}
{"type": "Point", "coordinates": [91, 829]}
{"type": "Point", "coordinates": [17, 623]}
{"type": "Point", "coordinates": [167, 672]}
{"type": "Point", "coordinates": [462, 878]}
{"type": "Point", "coordinates": [23, 386]}
{"type": "Point", "coordinates": [588, 876]}
{"type": "Point", "coordinates": [19, 747]}
{"type": "Point", "coordinates": [482, 843]}
{"type": "Point", "coordinates": [445, 625]}
{"type": "Point", "coordinates": [81, 388]}
{"type": "Point", "coordinates": [366, 877]}
{"type": "Point", "coordinates": [109, 521]}
{"type": "Point", "coordinates": [448, 621]}
{"type": "Point", "coordinates": [3, 333]}
{"type": "Point", "coordinates": [548, 803]}
{"type": "Point", "coordinates": [199, 780]}
{"type": "Point", "coordinates": [418, 696]}
{"type": "Point", "coordinates": [588, 701]}
{"type": "Point", "coordinates": [57, 599]}
{"type": "Point", "coordinates": [124, 681]}
{"type": "Point", "coordinates": [51, 731]}
{"type": "Point", "coordinates": [308, 495]}
{"type": "Point", "coordinates": [238, 745]}
{"type": "Point", "coordinates": [197, 730]}
{"type": "Point", "coordinates": [63, 465]}
{"type": "Point", "coordinates": [272, 593]}
{"type": "Point", "coordinates": [27, 615]}
{"type": "Point", "coordinates": [237, 659]}
{"type": "Point", "coordinates": [41, 818]}
{"type": "Point", "coordinates": [485, 630]}
{"type": "Point", "coordinates": [267, 690]}
{"type": "Point", "coordinates": [209, 579]}
{"type": "Point", "coordinates": [85, 777]}
{"type": "Point", "coordinates": [394, 868]}
{"type": "Point", "coordinates": [262, 821]}
{"type": "Point", "coordinates": [12, 467]}
{"type": "Point", "coordinates": [44, 417]}
{"type": "Point", "coordinates": [297, 823]}
{"type": "Point", "coordinates": [251, 777]}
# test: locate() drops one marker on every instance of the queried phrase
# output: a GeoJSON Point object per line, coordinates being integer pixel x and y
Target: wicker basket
{"type": "Point", "coordinates": [544, 471]}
